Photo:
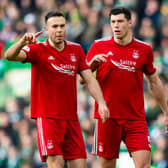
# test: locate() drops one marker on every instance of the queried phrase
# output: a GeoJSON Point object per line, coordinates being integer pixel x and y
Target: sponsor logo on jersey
{"type": "Point", "coordinates": [130, 65]}
{"type": "Point", "coordinates": [67, 69]}
{"type": "Point", "coordinates": [51, 57]}
{"type": "Point", "coordinates": [127, 62]}
{"type": "Point", "coordinates": [135, 54]}
{"type": "Point", "coordinates": [50, 144]}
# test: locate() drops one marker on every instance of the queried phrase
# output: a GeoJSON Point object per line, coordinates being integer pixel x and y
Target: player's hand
{"type": "Point", "coordinates": [30, 38]}
{"type": "Point", "coordinates": [97, 59]}
{"type": "Point", "coordinates": [166, 122]}
{"type": "Point", "coordinates": [104, 112]}
{"type": "Point", "coordinates": [81, 80]}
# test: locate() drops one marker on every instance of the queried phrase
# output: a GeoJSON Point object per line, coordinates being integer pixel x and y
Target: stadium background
{"type": "Point", "coordinates": [87, 20]}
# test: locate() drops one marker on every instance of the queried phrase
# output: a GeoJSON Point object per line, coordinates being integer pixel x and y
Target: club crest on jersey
{"type": "Point", "coordinates": [50, 144]}
{"type": "Point", "coordinates": [73, 58]}
{"type": "Point", "coordinates": [135, 54]}
{"type": "Point", "coordinates": [100, 147]}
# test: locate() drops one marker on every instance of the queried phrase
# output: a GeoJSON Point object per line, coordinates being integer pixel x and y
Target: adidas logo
{"type": "Point", "coordinates": [109, 53]}
{"type": "Point", "coordinates": [51, 58]}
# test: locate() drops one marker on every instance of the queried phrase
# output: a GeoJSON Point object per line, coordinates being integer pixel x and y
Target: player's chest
{"type": "Point", "coordinates": [60, 62]}
{"type": "Point", "coordinates": [129, 59]}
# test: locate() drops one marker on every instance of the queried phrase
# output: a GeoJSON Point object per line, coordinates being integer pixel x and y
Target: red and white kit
{"type": "Point", "coordinates": [54, 94]}
{"type": "Point", "coordinates": [121, 79]}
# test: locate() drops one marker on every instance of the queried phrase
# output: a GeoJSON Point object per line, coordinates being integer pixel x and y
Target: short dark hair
{"type": "Point", "coordinates": [53, 14]}
{"type": "Point", "coordinates": [121, 10]}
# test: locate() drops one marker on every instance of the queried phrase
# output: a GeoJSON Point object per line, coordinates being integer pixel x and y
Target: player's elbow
{"type": "Point", "coordinates": [6, 56]}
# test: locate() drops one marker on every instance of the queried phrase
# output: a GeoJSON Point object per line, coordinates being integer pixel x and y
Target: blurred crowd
{"type": "Point", "coordinates": [87, 20]}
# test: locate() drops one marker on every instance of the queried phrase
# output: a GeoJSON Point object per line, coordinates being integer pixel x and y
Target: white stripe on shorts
{"type": "Point", "coordinates": [41, 137]}
{"type": "Point", "coordinates": [94, 147]}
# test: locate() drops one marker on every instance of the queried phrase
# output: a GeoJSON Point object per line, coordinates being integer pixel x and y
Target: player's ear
{"type": "Point", "coordinates": [130, 23]}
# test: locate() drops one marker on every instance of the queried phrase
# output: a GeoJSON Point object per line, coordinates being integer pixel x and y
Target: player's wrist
{"type": "Point", "coordinates": [21, 43]}
{"type": "Point", "coordinates": [102, 102]}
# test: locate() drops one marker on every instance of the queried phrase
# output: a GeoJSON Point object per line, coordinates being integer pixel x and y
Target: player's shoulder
{"type": "Point", "coordinates": [102, 40]}
{"type": "Point", "coordinates": [72, 44]}
{"type": "Point", "coordinates": [141, 43]}
{"type": "Point", "coordinates": [37, 45]}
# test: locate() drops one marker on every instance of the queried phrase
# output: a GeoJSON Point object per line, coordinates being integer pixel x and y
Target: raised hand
{"type": "Point", "coordinates": [30, 38]}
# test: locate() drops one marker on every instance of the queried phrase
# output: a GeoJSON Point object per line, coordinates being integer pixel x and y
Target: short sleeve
{"type": "Point", "coordinates": [31, 52]}
{"type": "Point", "coordinates": [149, 67]}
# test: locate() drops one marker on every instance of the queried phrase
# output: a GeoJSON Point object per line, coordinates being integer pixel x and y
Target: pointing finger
{"type": "Point", "coordinates": [38, 33]}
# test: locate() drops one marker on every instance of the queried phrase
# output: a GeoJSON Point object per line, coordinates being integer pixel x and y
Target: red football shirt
{"type": "Point", "coordinates": [121, 77]}
{"type": "Point", "coordinates": [53, 79]}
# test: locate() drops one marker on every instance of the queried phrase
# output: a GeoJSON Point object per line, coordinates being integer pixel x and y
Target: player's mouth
{"type": "Point", "coordinates": [117, 32]}
{"type": "Point", "coordinates": [59, 36]}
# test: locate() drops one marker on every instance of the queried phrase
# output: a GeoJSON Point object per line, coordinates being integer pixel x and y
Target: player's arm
{"type": "Point", "coordinates": [95, 91]}
{"type": "Point", "coordinates": [94, 62]}
{"type": "Point", "coordinates": [14, 53]}
{"type": "Point", "coordinates": [158, 92]}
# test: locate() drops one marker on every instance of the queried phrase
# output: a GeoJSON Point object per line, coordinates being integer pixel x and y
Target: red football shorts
{"type": "Point", "coordinates": [108, 137]}
{"type": "Point", "coordinates": [60, 137]}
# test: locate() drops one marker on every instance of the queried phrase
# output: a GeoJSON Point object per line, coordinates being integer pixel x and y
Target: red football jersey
{"type": "Point", "coordinates": [53, 79]}
{"type": "Point", "coordinates": [121, 77]}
